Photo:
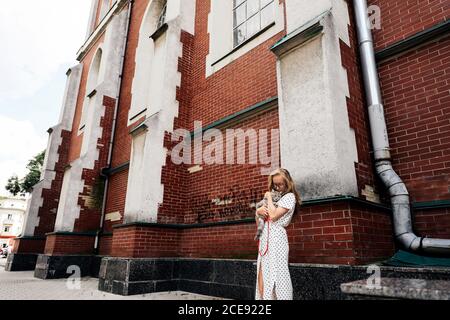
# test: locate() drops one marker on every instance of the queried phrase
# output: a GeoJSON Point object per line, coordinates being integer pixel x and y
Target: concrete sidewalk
{"type": "Point", "coordinates": [22, 285]}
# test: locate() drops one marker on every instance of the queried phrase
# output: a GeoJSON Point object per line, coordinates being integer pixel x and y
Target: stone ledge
{"type": "Point", "coordinates": [418, 289]}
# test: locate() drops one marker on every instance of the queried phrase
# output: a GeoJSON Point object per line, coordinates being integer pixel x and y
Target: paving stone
{"type": "Point", "coordinates": [22, 285]}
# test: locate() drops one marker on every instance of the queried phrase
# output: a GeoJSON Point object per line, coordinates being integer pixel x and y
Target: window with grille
{"type": "Point", "coordinates": [249, 17]}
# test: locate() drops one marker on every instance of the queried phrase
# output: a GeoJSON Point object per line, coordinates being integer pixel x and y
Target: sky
{"type": "Point", "coordinates": [39, 40]}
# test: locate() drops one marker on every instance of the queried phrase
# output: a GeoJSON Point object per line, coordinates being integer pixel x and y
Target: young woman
{"type": "Point", "coordinates": [273, 277]}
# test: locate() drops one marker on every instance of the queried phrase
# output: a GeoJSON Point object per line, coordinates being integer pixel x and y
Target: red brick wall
{"type": "Point", "coordinates": [115, 197]}
{"type": "Point", "coordinates": [415, 89]}
{"type": "Point", "coordinates": [140, 242]}
{"type": "Point", "coordinates": [357, 111]}
{"type": "Point", "coordinates": [69, 244]}
{"type": "Point", "coordinates": [432, 223]}
{"type": "Point", "coordinates": [174, 177]}
{"type": "Point", "coordinates": [237, 86]}
{"type": "Point", "coordinates": [242, 184]}
{"type": "Point", "coordinates": [90, 213]}
{"type": "Point", "coordinates": [231, 242]}
{"type": "Point", "coordinates": [401, 19]}
{"type": "Point", "coordinates": [47, 212]}
{"type": "Point", "coordinates": [335, 233]}
{"type": "Point", "coordinates": [105, 245]}
{"type": "Point", "coordinates": [28, 245]}
{"type": "Point", "coordinates": [341, 233]}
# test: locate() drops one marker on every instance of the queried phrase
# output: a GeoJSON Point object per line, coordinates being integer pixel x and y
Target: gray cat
{"type": "Point", "coordinates": [276, 196]}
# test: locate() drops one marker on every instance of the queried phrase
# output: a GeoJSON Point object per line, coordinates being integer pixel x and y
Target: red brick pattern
{"type": "Point", "coordinates": [401, 19]}
{"type": "Point", "coordinates": [47, 212]}
{"type": "Point", "coordinates": [69, 244]}
{"type": "Point", "coordinates": [90, 215]}
{"type": "Point", "coordinates": [357, 110]}
{"type": "Point", "coordinates": [140, 242]}
{"type": "Point", "coordinates": [105, 245]}
{"type": "Point", "coordinates": [342, 233]}
{"type": "Point", "coordinates": [28, 245]}
{"type": "Point", "coordinates": [415, 88]}
{"type": "Point", "coordinates": [432, 223]}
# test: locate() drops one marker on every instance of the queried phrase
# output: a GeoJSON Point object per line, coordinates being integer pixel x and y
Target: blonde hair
{"type": "Point", "coordinates": [290, 185]}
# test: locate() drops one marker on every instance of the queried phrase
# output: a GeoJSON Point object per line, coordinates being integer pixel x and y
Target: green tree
{"type": "Point", "coordinates": [13, 185]}
{"type": "Point", "coordinates": [34, 166]}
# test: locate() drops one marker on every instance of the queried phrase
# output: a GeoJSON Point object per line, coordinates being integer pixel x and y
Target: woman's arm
{"type": "Point", "coordinates": [274, 213]}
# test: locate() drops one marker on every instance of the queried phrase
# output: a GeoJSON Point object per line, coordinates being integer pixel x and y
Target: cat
{"type": "Point", "coordinates": [276, 196]}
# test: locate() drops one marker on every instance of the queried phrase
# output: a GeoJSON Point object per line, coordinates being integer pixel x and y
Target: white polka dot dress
{"type": "Point", "coordinates": [275, 262]}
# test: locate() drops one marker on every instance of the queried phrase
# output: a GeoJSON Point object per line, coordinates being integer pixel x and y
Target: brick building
{"type": "Point", "coordinates": [290, 69]}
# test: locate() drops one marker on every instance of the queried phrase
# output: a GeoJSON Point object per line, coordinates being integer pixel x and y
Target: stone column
{"type": "Point", "coordinates": [42, 206]}
{"type": "Point", "coordinates": [317, 144]}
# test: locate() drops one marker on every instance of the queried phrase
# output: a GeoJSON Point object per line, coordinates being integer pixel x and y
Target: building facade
{"type": "Point", "coordinates": [12, 214]}
{"type": "Point", "coordinates": [139, 165]}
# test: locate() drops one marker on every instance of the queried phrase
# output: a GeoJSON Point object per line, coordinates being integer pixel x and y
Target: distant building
{"type": "Point", "coordinates": [12, 211]}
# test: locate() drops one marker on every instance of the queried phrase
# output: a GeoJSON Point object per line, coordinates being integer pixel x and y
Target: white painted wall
{"type": "Point", "coordinates": [92, 16]}
{"type": "Point", "coordinates": [317, 146]}
{"type": "Point", "coordinates": [144, 190]}
{"type": "Point", "coordinates": [140, 89]}
{"type": "Point", "coordinates": [149, 56]}
{"type": "Point", "coordinates": [51, 156]}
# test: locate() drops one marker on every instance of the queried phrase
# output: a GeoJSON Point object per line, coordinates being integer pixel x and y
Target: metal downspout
{"type": "Point", "coordinates": [114, 124]}
{"type": "Point", "coordinates": [397, 189]}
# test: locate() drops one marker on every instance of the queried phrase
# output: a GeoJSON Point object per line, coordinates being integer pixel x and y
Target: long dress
{"type": "Point", "coordinates": [275, 263]}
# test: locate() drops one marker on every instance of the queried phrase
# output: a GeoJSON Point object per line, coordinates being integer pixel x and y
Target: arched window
{"type": "Point", "coordinates": [148, 58]}
{"type": "Point", "coordinates": [95, 77]}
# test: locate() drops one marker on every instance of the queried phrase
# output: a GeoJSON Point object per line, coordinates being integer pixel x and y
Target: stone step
{"type": "Point", "coordinates": [396, 288]}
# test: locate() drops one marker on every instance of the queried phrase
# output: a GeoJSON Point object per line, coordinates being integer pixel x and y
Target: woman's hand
{"type": "Point", "coordinates": [262, 212]}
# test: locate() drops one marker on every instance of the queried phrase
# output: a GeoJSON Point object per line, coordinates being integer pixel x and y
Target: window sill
{"type": "Point", "coordinates": [159, 32]}
{"type": "Point", "coordinates": [92, 93]}
{"type": "Point", "coordinates": [242, 44]}
{"type": "Point", "coordinates": [140, 113]}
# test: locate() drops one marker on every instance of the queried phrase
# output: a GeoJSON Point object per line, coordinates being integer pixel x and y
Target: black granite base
{"type": "Point", "coordinates": [58, 267]}
{"type": "Point", "coordinates": [236, 279]}
{"type": "Point", "coordinates": [322, 282]}
{"type": "Point", "coordinates": [223, 278]}
{"type": "Point", "coordinates": [21, 261]}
